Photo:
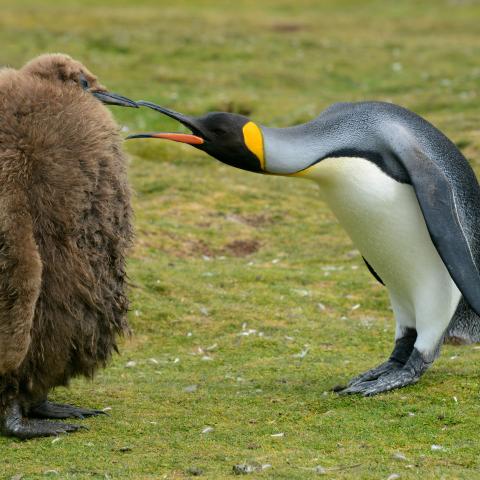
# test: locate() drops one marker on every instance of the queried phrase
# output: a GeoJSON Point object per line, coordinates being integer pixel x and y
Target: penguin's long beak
{"type": "Point", "coordinates": [109, 98]}
{"type": "Point", "coordinates": [196, 138]}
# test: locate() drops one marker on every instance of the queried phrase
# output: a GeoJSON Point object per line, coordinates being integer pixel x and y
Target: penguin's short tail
{"type": "Point", "coordinates": [464, 328]}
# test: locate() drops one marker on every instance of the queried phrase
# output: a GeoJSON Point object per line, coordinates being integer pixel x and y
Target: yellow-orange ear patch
{"type": "Point", "coordinates": [254, 141]}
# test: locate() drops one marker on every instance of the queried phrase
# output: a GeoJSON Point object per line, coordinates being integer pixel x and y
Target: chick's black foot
{"type": "Point", "coordinates": [13, 424]}
{"type": "Point", "coordinates": [46, 409]}
{"type": "Point", "coordinates": [407, 375]}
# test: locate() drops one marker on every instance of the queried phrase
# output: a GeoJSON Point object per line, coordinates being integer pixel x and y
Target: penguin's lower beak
{"type": "Point", "coordinates": [109, 98]}
{"type": "Point", "coordinates": [176, 137]}
{"type": "Point", "coordinates": [192, 139]}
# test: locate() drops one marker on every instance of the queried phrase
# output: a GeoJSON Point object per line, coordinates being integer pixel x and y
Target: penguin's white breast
{"type": "Point", "coordinates": [384, 220]}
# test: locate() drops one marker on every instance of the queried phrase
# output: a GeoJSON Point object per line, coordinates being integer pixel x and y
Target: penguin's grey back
{"type": "Point", "coordinates": [386, 134]}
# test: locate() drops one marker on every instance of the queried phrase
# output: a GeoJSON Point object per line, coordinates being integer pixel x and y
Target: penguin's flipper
{"type": "Point", "coordinates": [437, 195]}
{"type": "Point", "coordinates": [373, 272]}
{"type": "Point", "coordinates": [20, 281]}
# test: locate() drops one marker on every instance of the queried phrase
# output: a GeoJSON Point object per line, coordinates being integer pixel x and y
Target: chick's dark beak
{"type": "Point", "coordinates": [196, 138]}
{"type": "Point", "coordinates": [109, 98]}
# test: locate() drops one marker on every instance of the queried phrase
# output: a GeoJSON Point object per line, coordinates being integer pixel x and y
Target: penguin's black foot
{"type": "Point", "coordinates": [46, 409]}
{"type": "Point", "coordinates": [409, 374]}
{"type": "Point", "coordinates": [401, 353]}
{"type": "Point", "coordinates": [374, 373]}
{"type": "Point", "coordinates": [389, 381]}
{"type": "Point", "coordinates": [15, 425]}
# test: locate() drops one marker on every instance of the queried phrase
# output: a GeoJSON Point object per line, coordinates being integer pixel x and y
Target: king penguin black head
{"type": "Point", "coordinates": [231, 138]}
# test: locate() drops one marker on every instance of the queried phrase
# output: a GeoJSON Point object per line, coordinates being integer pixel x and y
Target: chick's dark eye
{"type": "Point", "coordinates": [83, 81]}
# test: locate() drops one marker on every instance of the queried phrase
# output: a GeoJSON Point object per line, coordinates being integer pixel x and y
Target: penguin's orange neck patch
{"type": "Point", "coordinates": [253, 138]}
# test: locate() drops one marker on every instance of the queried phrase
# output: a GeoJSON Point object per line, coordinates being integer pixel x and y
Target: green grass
{"type": "Point", "coordinates": [220, 252]}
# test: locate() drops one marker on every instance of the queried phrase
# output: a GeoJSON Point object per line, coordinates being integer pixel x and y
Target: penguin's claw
{"type": "Point", "coordinates": [390, 381]}
{"type": "Point", "coordinates": [375, 373]}
{"type": "Point", "coordinates": [39, 428]}
{"type": "Point", "coordinates": [59, 411]}
{"type": "Point", "coordinates": [15, 425]}
{"type": "Point", "coordinates": [393, 378]}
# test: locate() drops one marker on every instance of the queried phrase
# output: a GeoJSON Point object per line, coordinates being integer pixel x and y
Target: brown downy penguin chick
{"type": "Point", "coordinates": [65, 225]}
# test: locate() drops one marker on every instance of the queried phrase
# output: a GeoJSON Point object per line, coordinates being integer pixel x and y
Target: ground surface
{"type": "Point", "coordinates": [249, 302]}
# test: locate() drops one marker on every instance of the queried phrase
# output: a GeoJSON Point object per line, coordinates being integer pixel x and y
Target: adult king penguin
{"type": "Point", "coordinates": [405, 195]}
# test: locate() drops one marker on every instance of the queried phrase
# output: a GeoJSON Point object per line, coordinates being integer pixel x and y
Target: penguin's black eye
{"type": "Point", "coordinates": [83, 82]}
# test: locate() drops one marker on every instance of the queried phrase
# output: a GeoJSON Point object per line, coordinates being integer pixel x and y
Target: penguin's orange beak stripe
{"type": "Point", "coordinates": [176, 137]}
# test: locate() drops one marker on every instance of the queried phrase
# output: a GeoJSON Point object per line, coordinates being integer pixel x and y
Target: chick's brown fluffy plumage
{"type": "Point", "coordinates": [65, 226]}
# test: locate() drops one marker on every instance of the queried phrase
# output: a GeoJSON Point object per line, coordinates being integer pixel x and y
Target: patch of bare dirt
{"type": "Point", "coordinates": [182, 247]}
{"type": "Point", "coordinates": [254, 220]}
{"type": "Point", "coordinates": [257, 221]}
{"type": "Point", "coordinates": [287, 27]}
{"type": "Point", "coordinates": [242, 248]}
{"type": "Point", "coordinates": [199, 248]}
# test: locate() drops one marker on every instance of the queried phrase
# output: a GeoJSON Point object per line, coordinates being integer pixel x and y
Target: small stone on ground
{"type": "Point", "coordinates": [195, 471]}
